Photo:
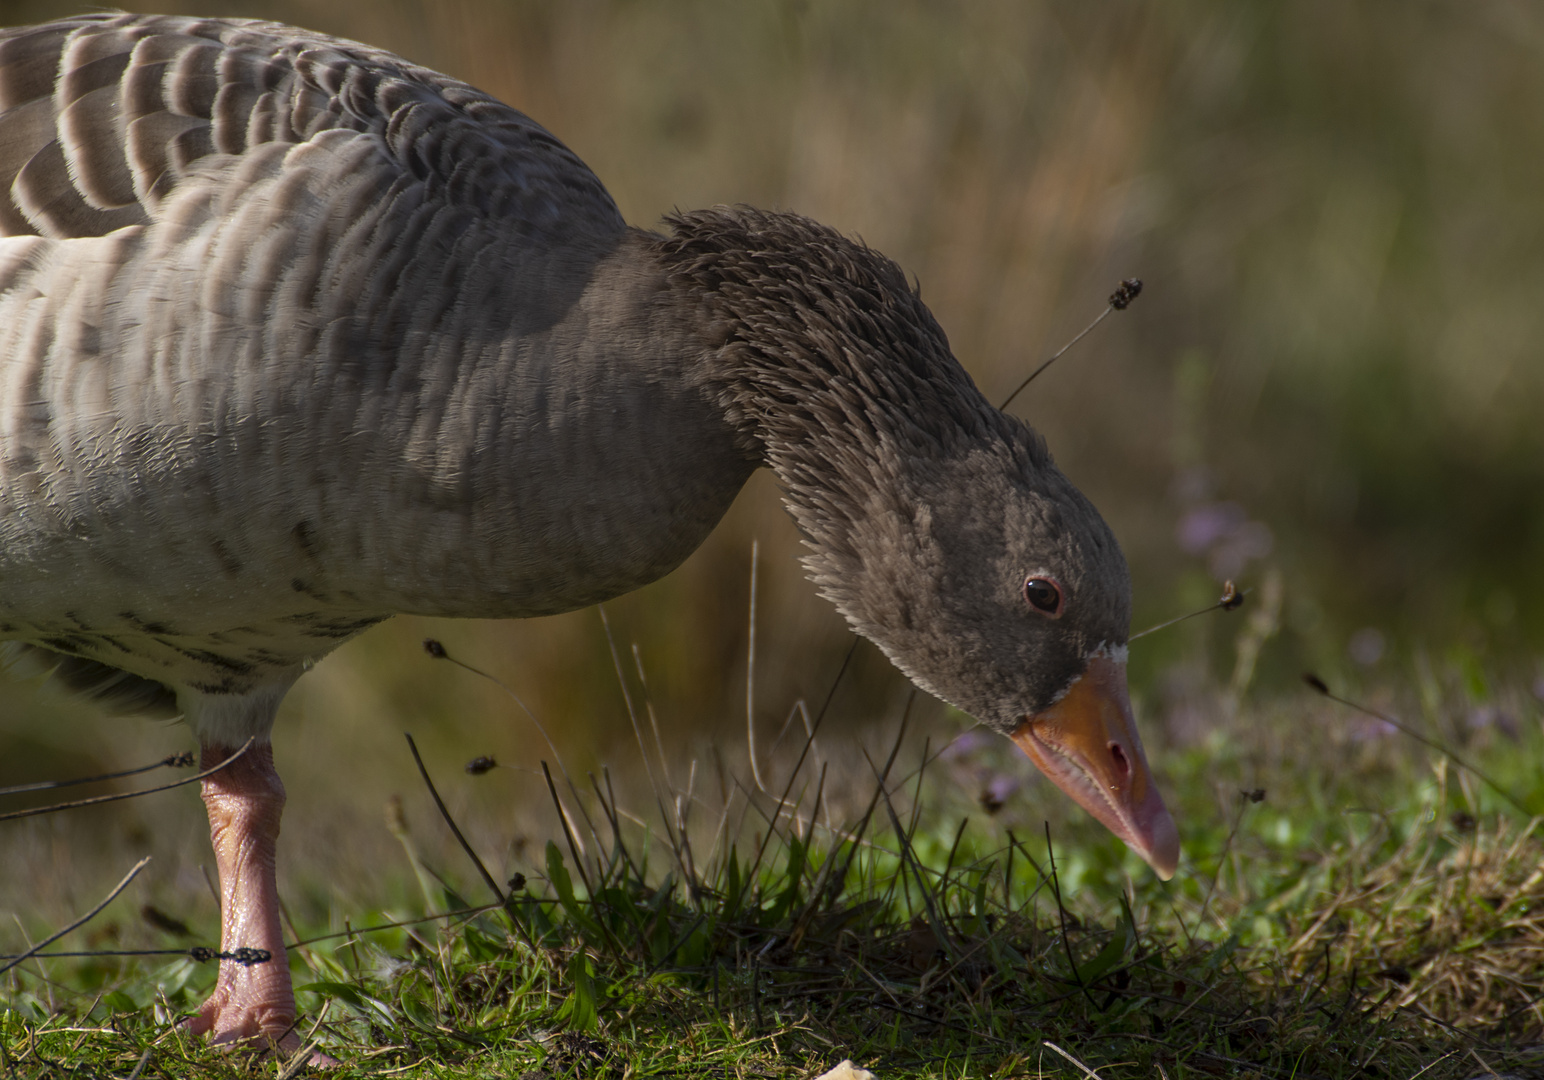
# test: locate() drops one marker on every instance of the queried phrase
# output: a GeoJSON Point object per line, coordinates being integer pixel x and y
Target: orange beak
{"type": "Point", "coordinates": [1087, 744]}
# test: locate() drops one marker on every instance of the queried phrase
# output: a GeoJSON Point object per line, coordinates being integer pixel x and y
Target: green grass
{"type": "Point", "coordinates": [1332, 204]}
{"type": "Point", "coordinates": [1375, 911]}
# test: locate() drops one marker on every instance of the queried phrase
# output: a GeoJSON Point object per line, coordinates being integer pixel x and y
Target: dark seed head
{"type": "Point", "coordinates": [1317, 683]}
{"type": "Point", "coordinates": [1129, 290]}
{"type": "Point", "coordinates": [479, 765]}
{"type": "Point", "coordinates": [1231, 598]}
{"type": "Point", "coordinates": [434, 648]}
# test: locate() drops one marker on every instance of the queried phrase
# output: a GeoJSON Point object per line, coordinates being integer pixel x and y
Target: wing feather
{"type": "Point", "coordinates": [24, 130]}
{"type": "Point", "coordinates": [193, 75]}
{"type": "Point", "coordinates": [29, 63]}
{"type": "Point", "coordinates": [92, 136]}
{"type": "Point", "coordinates": [165, 142]}
{"type": "Point", "coordinates": [117, 691]}
{"type": "Point", "coordinates": [104, 117]}
{"type": "Point", "coordinates": [46, 194]}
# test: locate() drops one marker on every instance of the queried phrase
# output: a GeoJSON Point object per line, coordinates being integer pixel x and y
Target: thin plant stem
{"type": "Point", "coordinates": [100, 799]}
{"type": "Point", "coordinates": [750, 675]}
{"type": "Point", "coordinates": [170, 761]}
{"type": "Point", "coordinates": [84, 919]}
{"type": "Point", "coordinates": [493, 886]}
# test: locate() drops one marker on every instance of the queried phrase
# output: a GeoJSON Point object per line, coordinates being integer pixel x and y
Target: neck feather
{"type": "Point", "coordinates": [836, 375]}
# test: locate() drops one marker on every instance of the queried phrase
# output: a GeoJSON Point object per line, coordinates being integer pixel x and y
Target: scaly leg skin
{"type": "Point", "coordinates": [253, 1004]}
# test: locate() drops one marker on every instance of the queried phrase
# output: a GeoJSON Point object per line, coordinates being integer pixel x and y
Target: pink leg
{"type": "Point", "coordinates": [253, 1003]}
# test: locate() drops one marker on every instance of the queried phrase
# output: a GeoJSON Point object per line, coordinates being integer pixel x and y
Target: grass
{"type": "Point", "coordinates": [1336, 201]}
{"type": "Point", "coordinates": [1378, 915]}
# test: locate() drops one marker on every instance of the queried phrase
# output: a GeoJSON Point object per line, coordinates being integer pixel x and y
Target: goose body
{"type": "Point", "coordinates": [296, 335]}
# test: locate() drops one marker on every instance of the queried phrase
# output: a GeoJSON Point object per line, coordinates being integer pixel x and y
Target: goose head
{"type": "Point", "coordinates": [937, 525]}
{"type": "Point", "coordinates": [994, 584]}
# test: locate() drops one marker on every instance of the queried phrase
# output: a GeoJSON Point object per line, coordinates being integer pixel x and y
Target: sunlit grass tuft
{"type": "Point", "coordinates": [1378, 918]}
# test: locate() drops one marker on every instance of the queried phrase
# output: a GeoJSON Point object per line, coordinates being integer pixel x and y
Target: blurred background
{"type": "Point", "coordinates": [1330, 390]}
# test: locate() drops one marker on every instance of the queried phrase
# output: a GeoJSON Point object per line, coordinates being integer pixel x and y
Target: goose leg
{"type": "Point", "coordinates": [255, 1003]}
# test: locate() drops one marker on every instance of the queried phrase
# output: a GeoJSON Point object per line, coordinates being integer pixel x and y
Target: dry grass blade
{"type": "Point", "coordinates": [139, 1066]}
{"type": "Point", "coordinates": [1084, 1068]}
{"type": "Point", "coordinates": [1061, 914]}
{"type": "Point", "coordinates": [98, 800]}
{"type": "Point", "coordinates": [750, 674]}
{"type": "Point", "coordinates": [909, 862]}
{"type": "Point", "coordinates": [1232, 599]}
{"type": "Point", "coordinates": [171, 761]}
{"type": "Point", "coordinates": [1222, 859]}
{"type": "Point", "coordinates": [1320, 686]}
{"type": "Point", "coordinates": [493, 886]}
{"type": "Point", "coordinates": [879, 790]}
{"type": "Point", "coordinates": [804, 753]}
{"type": "Point", "coordinates": [1124, 294]}
{"type": "Point", "coordinates": [394, 924]}
{"type": "Point", "coordinates": [568, 832]}
{"type": "Point", "coordinates": [436, 649]}
{"type": "Point", "coordinates": [627, 700]}
{"type": "Point", "coordinates": [83, 920]}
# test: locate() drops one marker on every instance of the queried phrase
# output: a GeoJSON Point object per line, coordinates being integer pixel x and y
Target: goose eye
{"type": "Point", "coordinates": [1044, 595]}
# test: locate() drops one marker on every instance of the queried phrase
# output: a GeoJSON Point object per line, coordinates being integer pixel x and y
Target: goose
{"type": "Point", "coordinates": [296, 335]}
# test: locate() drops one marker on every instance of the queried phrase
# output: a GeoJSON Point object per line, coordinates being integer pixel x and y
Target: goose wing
{"type": "Point", "coordinates": [105, 119]}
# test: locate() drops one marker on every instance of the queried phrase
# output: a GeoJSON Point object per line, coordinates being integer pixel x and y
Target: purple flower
{"type": "Point", "coordinates": [1207, 524]}
{"type": "Point", "coordinates": [1372, 729]}
{"type": "Point", "coordinates": [1366, 646]}
{"type": "Point", "coordinates": [1487, 716]}
{"type": "Point", "coordinates": [966, 744]}
{"type": "Point", "coordinates": [1002, 786]}
{"type": "Point", "coordinates": [1224, 533]}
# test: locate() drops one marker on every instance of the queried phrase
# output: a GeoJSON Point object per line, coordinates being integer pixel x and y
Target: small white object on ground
{"type": "Point", "coordinates": [847, 1071]}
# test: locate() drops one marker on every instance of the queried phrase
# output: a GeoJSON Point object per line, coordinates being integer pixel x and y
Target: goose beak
{"type": "Point", "coordinates": [1087, 744]}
